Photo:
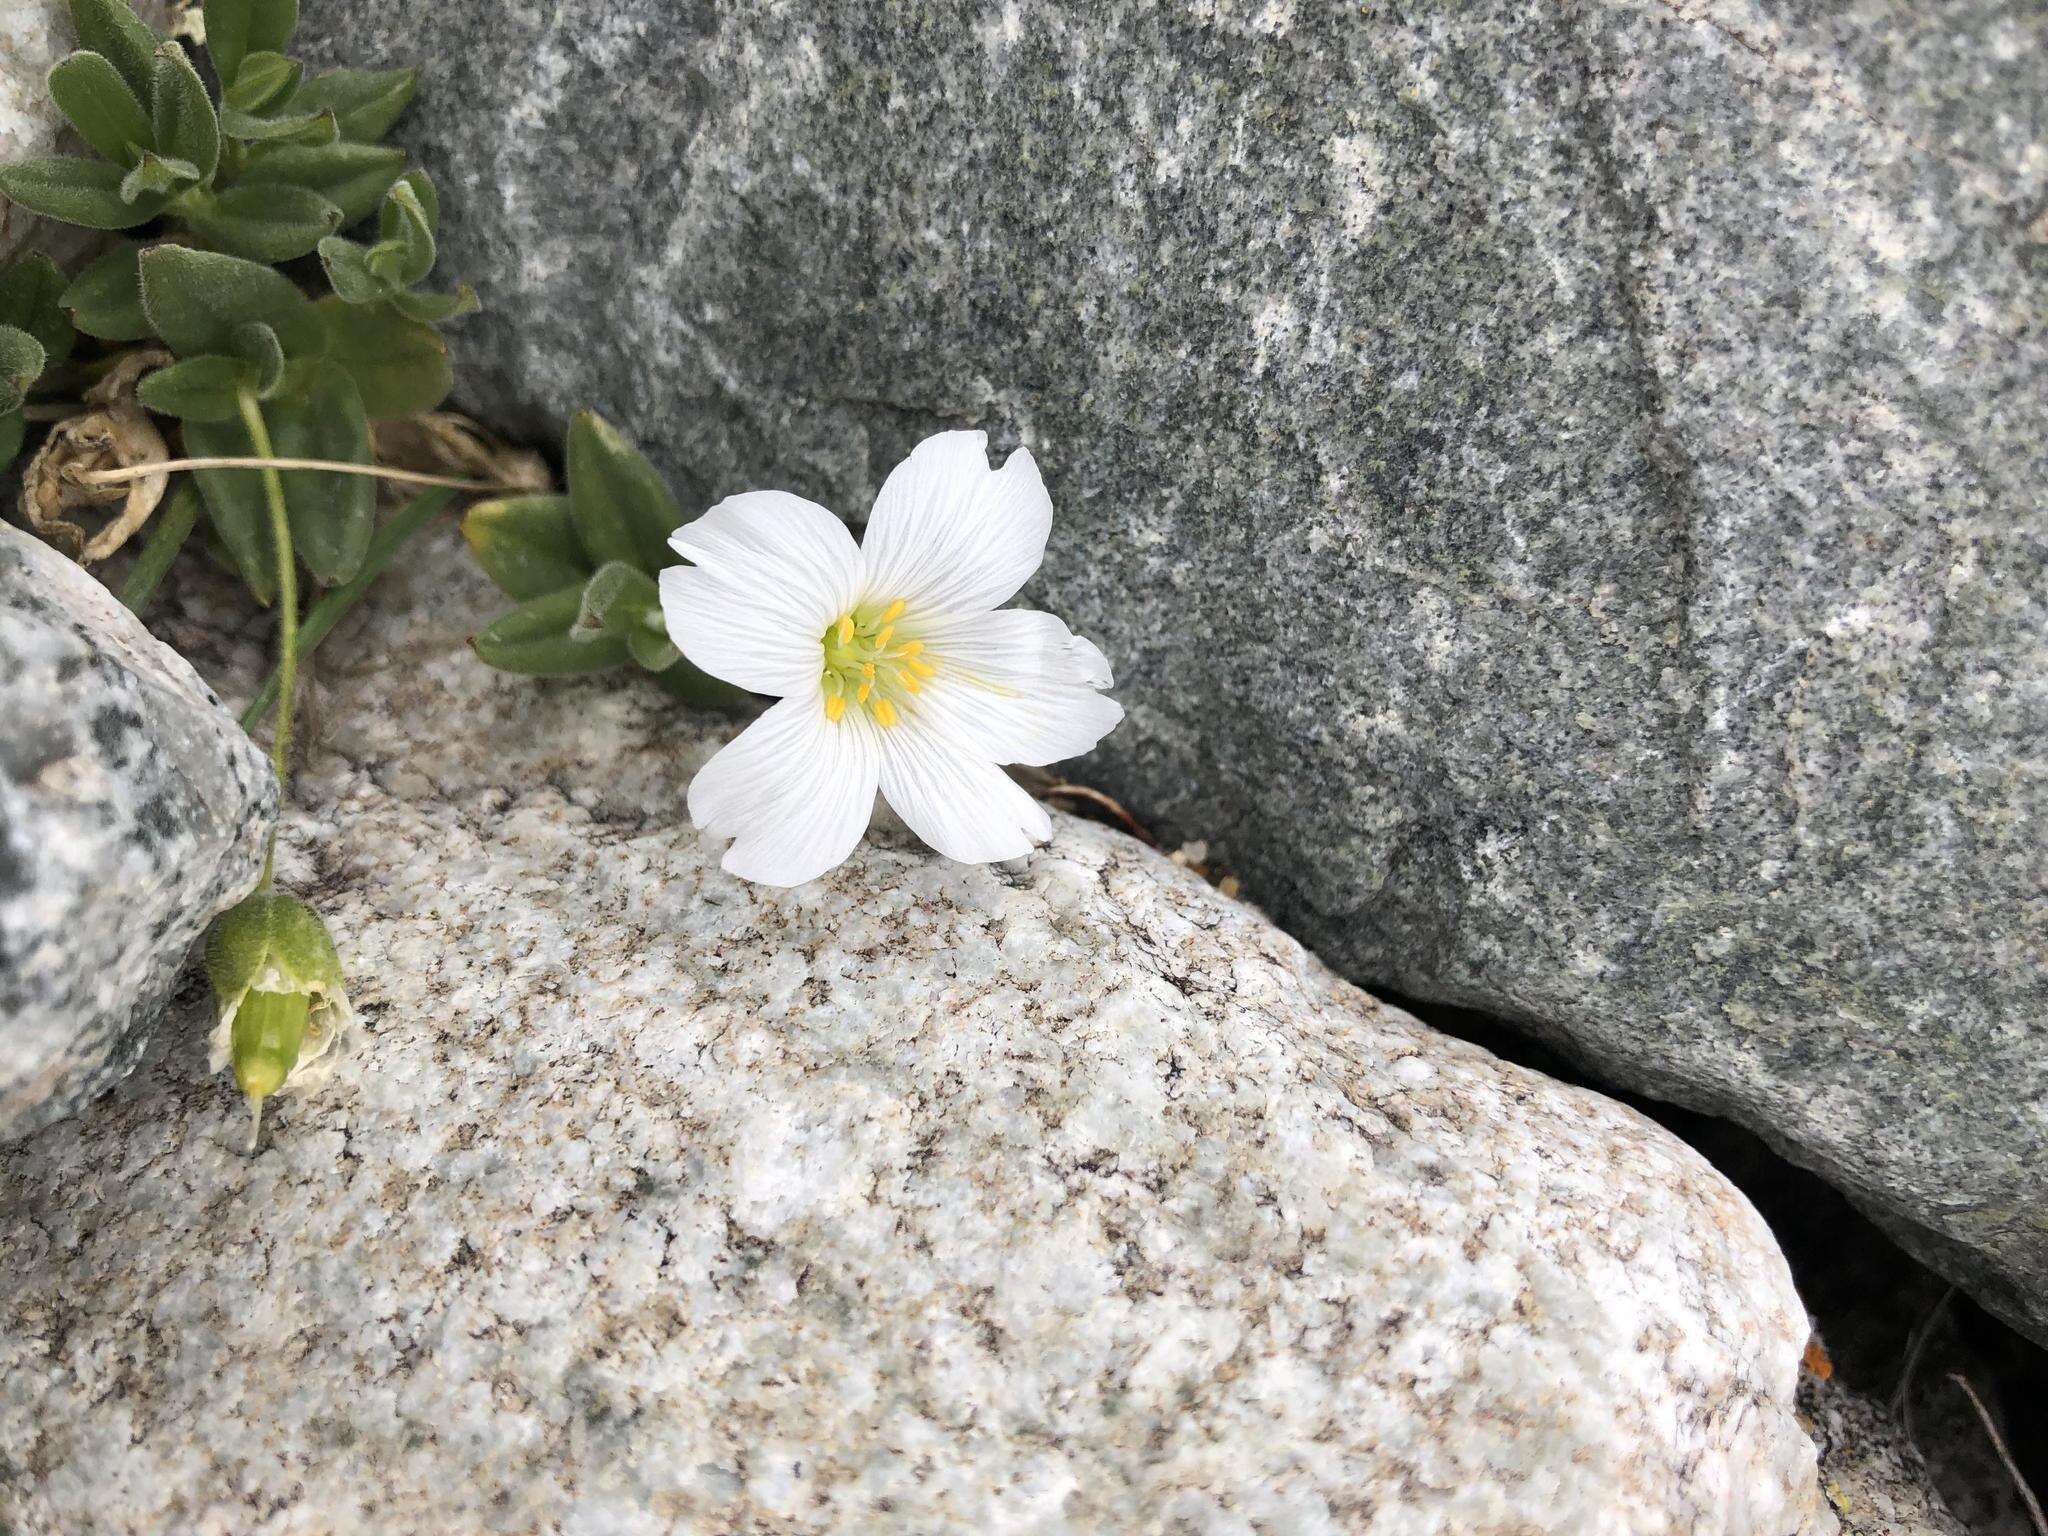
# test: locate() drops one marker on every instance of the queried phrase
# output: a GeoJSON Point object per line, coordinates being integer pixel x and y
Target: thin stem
{"type": "Point", "coordinates": [287, 611]}
{"type": "Point", "coordinates": [2033, 1504]}
{"type": "Point", "coordinates": [327, 612]}
{"type": "Point", "coordinates": [270, 461]}
{"type": "Point", "coordinates": [167, 536]}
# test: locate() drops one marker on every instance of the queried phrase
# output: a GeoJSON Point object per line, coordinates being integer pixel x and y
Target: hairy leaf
{"type": "Point", "coordinates": [526, 544]}
{"type": "Point", "coordinates": [261, 81]}
{"type": "Point", "coordinates": [238, 29]}
{"type": "Point", "coordinates": [77, 191]}
{"type": "Point", "coordinates": [90, 91]}
{"type": "Point", "coordinates": [31, 299]}
{"type": "Point", "coordinates": [366, 102]}
{"type": "Point", "coordinates": [264, 223]}
{"type": "Point", "coordinates": [623, 511]}
{"type": "Point", "coordinates": [105, 300]}
{"type": "Point", "coordinates": [400, 365]}
{"type": "Point", "coordinates": [534, 639]}
{"type": "Point", "coordinates": [110, 29]}
{"type": "Point", "coordinates": [195, 299]}
{"type": "Point", "coordinates": [21, 364]}
{"type": "Point", "coordinates": [182, 113]}
{"type": "Point", "coordinates": [197, 389]}
{"type": "Point", "coordinates": [354, 177]}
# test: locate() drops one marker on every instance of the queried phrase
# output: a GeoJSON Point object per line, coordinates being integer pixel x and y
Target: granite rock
{"type": "Point", "coordinates": [132, 809]}
{"type": "Point", "coordinates": [1063, 1197]}
{"type": "Point", "coordinates": [1561, 486]}
{"type": "Point", "coordinates": [1874, 1479]}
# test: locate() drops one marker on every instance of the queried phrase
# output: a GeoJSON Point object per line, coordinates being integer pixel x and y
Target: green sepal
{"type": "Point", "coordinates": [239, 31]}
{"type": "Point", "coordinates": [274, 942]}
{"type": "Point", "coordinates": [263, 80]}
{"type": "Point", "coordinates": [21, 364]}
{"type": "Point", "coordinates": [616, 601]}
{"type": "Point", "coordinates": [31, 299]}
{"type": "Point", "coordinates": [78, 191]}
{"type": "Point", "coordinates": [197, 389]}
{"type": "Point", "coordinates": [155, 175]}
{"type": "Point", "coordinates": [182, 113]}
{"type": "Point", "coordinates": [91, 93]}
{"type": "Point", "coordinates": [263, 223]}
{"type": "Point", "coordinates": [264, 1041]}
{"type": "Point", "coordinates": [533, 639]}
{"type": "Point", "coordinates": [354, 177]}
{"type": "Point", "coordinates": [400, 365]}
{"type": "Point", "coordinates": [195, 299]}
{"type": "Point", "coordinates": [434, 308]}
{"type": "Point", "coordinates": [623, 511]}
{"type": "Point", "coordinates": [112, 30]}
{"type": "Point", "coordinates": [365, 102]}
{"type": "Point", "coordinates": [526, 544]}
{"type": "Point", "coordinates": [105, 300]}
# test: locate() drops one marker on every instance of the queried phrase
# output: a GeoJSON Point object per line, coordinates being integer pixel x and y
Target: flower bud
{"type": "Point", "coordinates": [277, 981]}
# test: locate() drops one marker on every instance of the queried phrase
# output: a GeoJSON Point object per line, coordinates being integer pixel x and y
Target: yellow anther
{"type": "Point", "coordinates": [882, 640]}
{"type": "Point", "coordinates": [908, 683]}
{"type": "Point", "coordinates": [885, 712]}
{"type": "Point", "coordinates": [893, 612]}
{"type": "Point", "coordinates": [846, 629]}
{"type": "Point", "coordinates": [865, 690]}
{"type": "Point", "coordinates": [910, 648]}
{"type": "Point", "coordinates": [922, 668]}
{"type": "Point", "coordinates": [835, 706]}
{"type": "Point", "coordinates": [867, 669]}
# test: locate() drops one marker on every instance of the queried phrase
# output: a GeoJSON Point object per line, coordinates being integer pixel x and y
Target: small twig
{"type": "Point", "coordinates": [1916, 1346]}
{"type": "Point", "coordinates": [2004, 1455]}
{"type": "Point", "coordinates": [330, 466]}
{"type": "Point", "coordinates": [1096, 797]}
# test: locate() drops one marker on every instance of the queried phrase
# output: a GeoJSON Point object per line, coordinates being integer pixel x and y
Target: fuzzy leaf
{"type": "Point", "coordinates": [31, 299]}
{"type": "Point", "coordinates": [264, 223]}
{"type": "Point", "coordinates": [155, 175]}
{"type": "Point", "coordinates": [110, 29]}
{"type": "Point", "coordinates": [365, 102]}
{"type": "Point", "coordinates": [182, 113]}
{"type": "Point", "coordinates": [348, 272]}
{"type": "Point", "coordinates": [91, 92]}
{"type": "Point", "coordinates": [433, 308]}
{"type": "Point", "coordinates": [407, 232]}
{"type": "Point", "coordinates": [105, 300]}
{"type": "Point", "coordinates": [332, 516]}
{"type": "Point", "coordinates": [238, 29]}
{"type": "Point", "coordinates": [534, 639]}
{"type": "Point", "coordinates": [526, 544]}
{"type": "Point", "coordinates": [234, 503]}
{"type": "Point", "coordinates": [623, 511]}
{"type": "Point", "coordinates": [197, 389]}
{"type": "Point", "coordinates": [260, 82]}
{"type": "Point", "coordinates": [307, 128]}
{"type": "Point", "coordinates": [195, 299]}
{"type": "Point", "coordinates": [354, 177]}
{"type": "Point", "coordinates": [421, 185]}
{"type": "Point", "coordinates": [616, 601]}
{"type": "Point", "coordinates": [86, 192]}
{"type": "Point", "coordinates": [400, 365]}
{"type": "Point", "coordinates": [257, 345]}
{"type": "Point", "coordinates": [21, 364]}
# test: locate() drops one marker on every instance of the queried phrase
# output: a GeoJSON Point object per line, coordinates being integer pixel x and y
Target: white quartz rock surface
{"type": "Point", "coordinates": [1066, 1198]}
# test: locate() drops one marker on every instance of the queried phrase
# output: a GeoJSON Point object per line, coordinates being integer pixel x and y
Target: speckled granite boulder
{"type": "Point", "coordinates": [1066, 1198]}
{"type": "Point", "coordinates": [1873, 1478]}
{"type": "Point", "coordinates": [1560, 484]}
{"type": "Point", "coordinates": [132, 808]}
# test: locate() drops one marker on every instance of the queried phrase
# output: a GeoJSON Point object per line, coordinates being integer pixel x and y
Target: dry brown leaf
{"type": "Point", "coordinates": [445, 443]}
{"type": "Point", "coordinates": [119, 435]}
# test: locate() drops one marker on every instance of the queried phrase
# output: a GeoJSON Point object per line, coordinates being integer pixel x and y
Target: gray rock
{"type": "Point", "coordinates": [1065, 1197]}
{"type": "Point", "coordinates": [1560, 486]}
{"type": "Point", "coordinates": [132, 809]}
{"type": "Point", "coordinates": [1873, 1478]}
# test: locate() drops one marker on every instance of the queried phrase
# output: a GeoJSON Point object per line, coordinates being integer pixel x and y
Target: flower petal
{"type": "Point", "coordinates": [794, 791]}
{"type": "Point", "coordinates": [771, 571]}
{"type": "Point", "coordinates": [949, 535]}
{"type": "Point", "coordinates": [964, 806]}
{"type": "Point", "coordinates": [1017, 687]}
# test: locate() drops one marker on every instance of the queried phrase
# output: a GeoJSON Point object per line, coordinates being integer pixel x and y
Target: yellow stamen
{"type": "Point", "coordinates": [923, 668]}
{"type": "Point", "coordinates": [846, 629]}
{"type": "Point", "coordinates": [885, 712]}
{"type": "Point", "coordinates": [882, 640]}
{"type": "Point", "coordinates": [865, 690]}
{"type": "Point", "coordinates": [835, 706]}
{"type": "Point", "coordinates": [908, 683]}
{"type": "Point", "coordinates": [867, 669]}
{"type": "Point", "coordinates": [893, 612]}
{"type": "Point", "coordinates": [910, 648]}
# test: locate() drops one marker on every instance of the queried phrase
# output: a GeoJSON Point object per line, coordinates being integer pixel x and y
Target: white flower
{"type": "Point", "coordinates": [894, 667]}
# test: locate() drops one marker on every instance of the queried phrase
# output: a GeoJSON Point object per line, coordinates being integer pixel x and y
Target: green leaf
{"type": "Point", "coordinates": [77, 191]}
{"type": "Point", "coordinates": [198, 389]}
{"type": "Point", "coordinates": [31, 298]}
{"type": "Point", "coordinates": [238, 29]}
{"type": "Point", "coordinates": [421, 185]}
{"type": "Point", "coordinates": [354, 177]}
{"type": "Point", "coordinates": [234, 503]}
{"type": "Point", "coordinates": [105, 300]}
{"type": "Point", "coordinates": [263, 223]}
{"type": "Point", "coordinates": [433, 308]}
{"type": "Point", "coordinates": [526, 544]}
{"type": "Point", "coordinates": [616, 601]}
{"type": "Point", "coordinates": [12, 427]}
{"type": "Point", "coordinates": [91, 92]}
{"type": "Point", "coordinates": [652, 648]}
{"type": "Point", "coordinates": [534, 639]}
{"type": "Point", "coordinates": [182, 112]}
{"type": "Point", "coordinates": [400, 365]}
{"type": "Point", "coordinates": [623, 511]}
{"type": "Point", "coordinates": [21, 364]}
{"type": "Point", "coordinates": [407, 233]}
{"type": "Point", "coordinates": [110, 29]}
{"type": "Point", "coordinates": [348, 272]}
{"type": "Point", "coordinates": [308, 128]}
{"type": "Point", "coordinates": [155, 175]}
{"type": "Point", "coordinates": [261, 81]}
{"type": "Point", "coordinates": [697, 689]}
{"type": "Point", "coordinates": [257, 345]}
{"type": "Point", "coordinates": [365, 102]}
{"type": "Point", "coordinates": [332, 516]}
{"type": "Point", "coordinates": [195, 299]}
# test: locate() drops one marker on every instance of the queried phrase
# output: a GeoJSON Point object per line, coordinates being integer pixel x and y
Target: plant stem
{"type": "Point", "coordinates": [327, 612]}
{"type": "Point", "coordinates": [287, 615]}
{"type": "Point", "coordinates": [269, 461]}
{"type": "Point", "coordinates": [166, 537]}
